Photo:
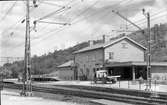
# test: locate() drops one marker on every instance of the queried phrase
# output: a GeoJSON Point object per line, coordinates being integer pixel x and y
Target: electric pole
{"type": "Point", "coordinates": [27, 88]}
{"type": "Point", "coordinates": [149, 51]}
{"type": "Point", "coordinates": [148, 85]}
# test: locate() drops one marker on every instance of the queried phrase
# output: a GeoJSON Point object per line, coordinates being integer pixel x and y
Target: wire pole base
{"type": "Point", "coordinates": [27, 89]}
{"type": "Point", "coordinates": [148, 85]}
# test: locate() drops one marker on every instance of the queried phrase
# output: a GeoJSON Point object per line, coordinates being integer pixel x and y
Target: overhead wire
{"type": "Point", "coordinates": [143, 20]}
{"type": "Point", "coordinates": [62, 29]}
{"type": "Point", "coordinates": [85, 10]}
{"type": "Point", "coordinates": [8, 11]}
{"type": "Point", "coordinates": [45, 27]}
{"type": "Point", "coordinates": [152, 18]}
{"type": "Point", "coordinates": [59, 30]}
{"type": "Point", "coordinates": [52, 4]}
{"type": "Point", "coordinates": [104, 14]}
{"type": "Point", "coordinates": [158, 12]}
{"type": "Point", "coordinates": [74, 20]}
{"type": "Point", "coordinates": [63, 12]}
{"type": "Point", "coordinates": [16, 24]}
{"type": "Point", "coordinates": [116, 8]}
{"type": "Point", "coordinates": [70, 2]}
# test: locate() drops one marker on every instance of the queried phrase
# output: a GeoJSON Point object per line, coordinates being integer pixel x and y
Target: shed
{"type": "Point", "coordinates": [66, 71]}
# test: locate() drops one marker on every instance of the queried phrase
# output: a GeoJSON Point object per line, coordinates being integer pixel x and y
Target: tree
{"type": "Point", "coordinates": [6, 73]}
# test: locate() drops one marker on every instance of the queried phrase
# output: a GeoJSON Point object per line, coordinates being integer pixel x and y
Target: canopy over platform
{"type": "Point", "coordinates": [120, 64]}
{"type": "Point", "coordinates": [134, 70]}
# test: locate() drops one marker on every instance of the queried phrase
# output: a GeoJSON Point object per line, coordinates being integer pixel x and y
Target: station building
{"type": "Point", "coordinates": [122, 56]}
{"type": "Point", "coordinates": [65, 71]}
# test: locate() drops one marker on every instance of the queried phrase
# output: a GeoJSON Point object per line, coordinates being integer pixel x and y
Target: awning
{"type": "Point", "coordinates": [121, 64]}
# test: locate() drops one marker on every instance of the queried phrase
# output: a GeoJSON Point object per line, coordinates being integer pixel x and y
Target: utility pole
{"type": "Point", "coordinates": [27, 88]}
{"type": "Point", "coordinates": [148, 85]}
{"type": "Point", "coordinates": [149, 51]}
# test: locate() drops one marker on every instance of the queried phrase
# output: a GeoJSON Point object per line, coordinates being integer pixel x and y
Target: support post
{"type": "Point", "coordinates": [148, 84]}
{"type": "Point", "coordinates": [133, 73]}
{"type": "Point", "coordinates": [27, 89]}
{"type": "Point", "coordinates": [149, 54]}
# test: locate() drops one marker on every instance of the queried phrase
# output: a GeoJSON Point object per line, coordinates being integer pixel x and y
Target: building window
{"type": "Point", "coordinates": [81, 71]}
{"type": "Point", "coordinates": [93, 57]}
{"type": "Point", "coordinates": [124, 45]}
{"type": "Point", "coordinates": [87, 58]}
{"type": "Point", "coordinates": [111, 55]}
{"type": "Point", "coordinates": [87, 71]}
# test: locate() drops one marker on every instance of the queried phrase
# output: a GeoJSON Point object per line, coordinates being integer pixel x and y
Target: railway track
{"type": "Point", "coordinates": [83, 92]}
{"type": "Point", "coordinates": [138, 93]}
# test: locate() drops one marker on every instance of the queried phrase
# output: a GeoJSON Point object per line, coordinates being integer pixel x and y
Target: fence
{"type": "Point", "coordinates": [136, 85]}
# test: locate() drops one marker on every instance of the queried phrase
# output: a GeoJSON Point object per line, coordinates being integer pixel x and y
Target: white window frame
{"type": "Point", "coordinates": [111, 55]}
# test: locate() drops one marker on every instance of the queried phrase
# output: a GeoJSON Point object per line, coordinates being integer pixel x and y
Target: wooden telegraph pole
{"type": "Point", "coordinates": [149, 51]}
{"type": "Point", "coordinates": [148, 85]}
{"type": "Point", "coordinates": [27, 88]}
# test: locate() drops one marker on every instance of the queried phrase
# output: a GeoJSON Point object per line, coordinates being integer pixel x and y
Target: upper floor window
{"type": "Point", "coordinates": [93, 57]}
{"type": "Point", "coordinates": [87, 58]}
{"type": "Point", "coordinates": [124, 45]}
{"type": "Point", "coordinates": [111, 55]}
{"type": "Point", "coordinates": [87, 71]}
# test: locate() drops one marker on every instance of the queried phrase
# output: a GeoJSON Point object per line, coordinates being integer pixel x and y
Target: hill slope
{"type": "Point", "coordinates": [47, 63]}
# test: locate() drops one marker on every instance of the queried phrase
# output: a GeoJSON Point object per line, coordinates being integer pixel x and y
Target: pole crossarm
{"type": "Point", "coordinates": [48, 15]}
{"type": "Point", "coordinates": [116, 12]}
{"type": "Point", "coordinates": [54, 23]}
{"type": "Point", "coordinates": [40, 20]}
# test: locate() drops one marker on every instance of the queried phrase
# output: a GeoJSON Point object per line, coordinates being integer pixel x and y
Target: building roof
{"type": "Point", "coordinates": [134, 63]}
{"type": "Point", "coordinates": [104, 45]}
{"type": "Point", "coordinates": [67, 64]}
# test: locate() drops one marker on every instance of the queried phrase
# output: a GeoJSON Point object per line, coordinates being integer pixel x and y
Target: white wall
{"type": "Point", "coordinates": [131, 53]}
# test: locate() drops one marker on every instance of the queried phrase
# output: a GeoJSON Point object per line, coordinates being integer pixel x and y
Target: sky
{"type": "Point", "coordinates": [89, 19]}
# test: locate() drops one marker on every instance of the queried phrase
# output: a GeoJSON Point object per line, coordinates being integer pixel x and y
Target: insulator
{"type": "Point", "coordinates": [35, 3]}
{"type": "Point", "coordinates": [35, 24]}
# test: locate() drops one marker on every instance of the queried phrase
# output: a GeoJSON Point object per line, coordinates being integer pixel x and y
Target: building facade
{"type": "Point", "coordinates": [87, 62]}
{"type": "Point", "coordinates": [124, 49]}
{"type": "Point", "coordinates": [122, 56]}
{"type": "Point", "coordinates": [65, 71]}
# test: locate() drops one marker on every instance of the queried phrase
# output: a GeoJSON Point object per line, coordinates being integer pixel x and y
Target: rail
{"type": "Point", "coordinates": [90, 93]}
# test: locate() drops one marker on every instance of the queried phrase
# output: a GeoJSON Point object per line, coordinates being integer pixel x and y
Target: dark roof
{"type": "Point", "coordinates": [104, 45]}
{"type": "Point", "coordinates": [135, 63]}
{"type": "Point", "coordinates": [67, 64]}
{"type": "Point", "coordinates": [96, 46]}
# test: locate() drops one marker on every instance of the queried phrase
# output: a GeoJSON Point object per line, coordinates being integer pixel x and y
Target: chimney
{"type": "Point", "coordinates": [106, 38]}
{"type": "Point", "coordinates": [90, 42]}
